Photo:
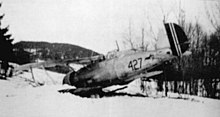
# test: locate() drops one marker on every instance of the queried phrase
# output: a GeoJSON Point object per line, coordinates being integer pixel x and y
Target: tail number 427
{"type": "Point", "coordinates": [135, 64]}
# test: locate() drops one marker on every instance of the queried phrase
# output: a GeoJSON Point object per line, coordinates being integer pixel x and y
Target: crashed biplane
{"type": "Point", "coordinates": [121, 67]}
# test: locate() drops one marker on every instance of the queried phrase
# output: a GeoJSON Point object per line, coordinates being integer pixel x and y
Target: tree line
{"type": "Point", "coordinates": [46, 50]}
{"type": "Point", "coordinates": [197, 74]}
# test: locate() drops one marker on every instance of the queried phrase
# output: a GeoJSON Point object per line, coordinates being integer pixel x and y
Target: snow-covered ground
{"type": "Point", "coordinates": [20, 98]}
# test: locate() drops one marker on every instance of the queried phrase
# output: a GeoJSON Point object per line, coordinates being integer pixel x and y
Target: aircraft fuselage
{"type": "Point", "coordinates": [115, 71]}
{"type": "Point", "coordinates": [123, 67]}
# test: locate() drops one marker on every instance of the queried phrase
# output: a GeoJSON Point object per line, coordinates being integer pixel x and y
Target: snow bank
{"type": "Point", "coordinates": [46, 101]}
{"type": "Point", "coordinates": [20, 99]}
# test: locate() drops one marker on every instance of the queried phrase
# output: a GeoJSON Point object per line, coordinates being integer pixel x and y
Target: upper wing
{"type": "Point", "coordinates": [36, 65]}
{"type": "Point", "coordinates": [50, 63]}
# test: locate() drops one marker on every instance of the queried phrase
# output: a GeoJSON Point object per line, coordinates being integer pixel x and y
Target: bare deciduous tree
{"type": "Point", "coordinates": [213, 13]}
{"type": "Point", "coordinates": [129, 36]}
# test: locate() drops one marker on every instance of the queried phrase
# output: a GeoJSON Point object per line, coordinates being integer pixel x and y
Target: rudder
{"type": "Point", "coordinates": [177, 39]}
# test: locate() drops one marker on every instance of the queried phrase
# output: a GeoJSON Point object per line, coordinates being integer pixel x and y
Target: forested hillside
{"type": "Point", "coordinates": [45, 51]}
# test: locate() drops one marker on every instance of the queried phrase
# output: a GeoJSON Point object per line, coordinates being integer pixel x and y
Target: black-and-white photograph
{"type": "Point", "coordinates": [109, 58]}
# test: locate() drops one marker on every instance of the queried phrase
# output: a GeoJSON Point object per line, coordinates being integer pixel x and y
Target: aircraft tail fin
{"type": "Point", "coordinates": [177, 38]}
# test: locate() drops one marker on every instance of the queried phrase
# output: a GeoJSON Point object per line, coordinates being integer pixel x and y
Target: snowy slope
{"type": "Point", "coordinates": [20, 99]}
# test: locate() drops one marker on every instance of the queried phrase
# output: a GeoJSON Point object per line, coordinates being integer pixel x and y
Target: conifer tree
{"type": "Point", "coordinates": [6, 47]}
